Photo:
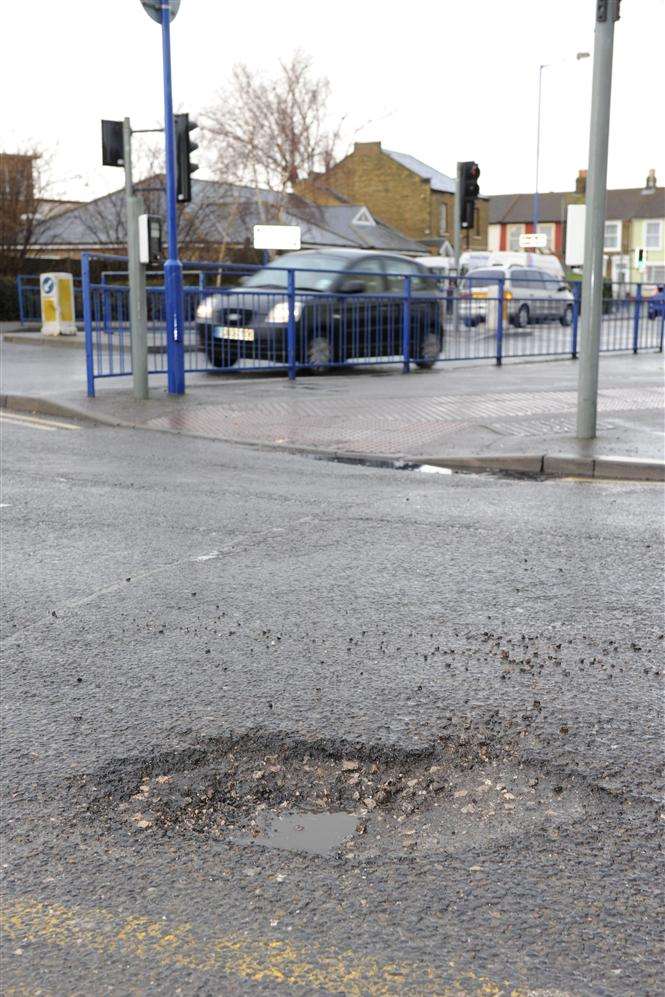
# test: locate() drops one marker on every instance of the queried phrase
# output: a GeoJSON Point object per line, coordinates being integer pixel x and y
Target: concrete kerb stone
{"type": "Point", "coordinates": [44, 406]}
{"type": "Point", "coordinates": [629, 468]}
{"type": "Point", "coordinates": [555, 465]}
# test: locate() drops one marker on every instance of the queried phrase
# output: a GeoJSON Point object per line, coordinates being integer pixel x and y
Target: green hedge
{"type": "Point", "coordinates": [8, 300]}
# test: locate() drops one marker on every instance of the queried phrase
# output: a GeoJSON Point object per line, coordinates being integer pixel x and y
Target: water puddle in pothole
{"type": "Point", "coordinates": [316, 834]}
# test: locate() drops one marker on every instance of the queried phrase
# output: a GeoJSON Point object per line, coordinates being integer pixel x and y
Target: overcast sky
{"type": "Point", "coordinates": [439, 79]}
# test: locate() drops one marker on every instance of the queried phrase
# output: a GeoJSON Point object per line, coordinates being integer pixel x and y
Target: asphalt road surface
{"type": "Point", "coordinates": [278, 725]}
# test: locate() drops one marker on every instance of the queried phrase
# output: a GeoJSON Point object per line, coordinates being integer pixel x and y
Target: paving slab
{"type": "Point", "coordinates": [520, 417]}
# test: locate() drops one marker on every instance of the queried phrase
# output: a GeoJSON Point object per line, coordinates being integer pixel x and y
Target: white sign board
{"type": "Point", "coordinates": [277, 237]}
{"type": "Point", "coordinates": [575, 217]}
{"type": "Point", "coordinates": [533, 240]}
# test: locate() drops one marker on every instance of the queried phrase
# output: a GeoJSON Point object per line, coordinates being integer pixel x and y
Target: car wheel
{"type": "Point", "coordinates": [430, 348]}
{"type": "Point", "coordinates": [319, 355]}
{"type": "Point", "coordinates": [567, 317]}
{"type": "Point", "coordinates": [522, 317]}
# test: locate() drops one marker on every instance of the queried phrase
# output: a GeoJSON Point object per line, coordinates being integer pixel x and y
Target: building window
{"type": "Point", "coordinates": [514, 233]}
{"type": "Point", "coordinates": [547, 229]}
{"type": "Point", "coordinates": [653, 235]}
{"type": "Point", "coordinates": [612, 236]}
{"type": "Point", "coordinates": [443, 219]}
{"type": "Point", "coordinates": [655, 273]}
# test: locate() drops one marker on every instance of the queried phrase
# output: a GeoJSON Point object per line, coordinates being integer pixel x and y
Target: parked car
{"type": "Point", "coordinates": [657, 303]}
{"type": "Point", "coordinates": [530, 295]}
{"type": "Point", "coordinates": [348, 305]}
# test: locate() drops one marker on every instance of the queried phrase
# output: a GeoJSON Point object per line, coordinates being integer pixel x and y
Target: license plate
{"type": "Point", "coordinates": [229, 332]}
{"type": "Point", "coordinates": [479, 294]}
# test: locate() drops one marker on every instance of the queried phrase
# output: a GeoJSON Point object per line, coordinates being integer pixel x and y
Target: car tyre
{"type": "Point", "coordinates": [522, 317]}
{"type": "Point", "coordinates": [319, 354]}
{"type": "Point", "coordinates": [430, 350]}
{"type": "Point", "coordinates": [567, 317]}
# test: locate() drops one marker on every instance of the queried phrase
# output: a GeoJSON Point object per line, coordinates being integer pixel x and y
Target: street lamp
{"type": "Point", "coordinates": [536, 196]}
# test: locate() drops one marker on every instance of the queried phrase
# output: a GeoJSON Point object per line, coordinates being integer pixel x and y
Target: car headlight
{"type": "Point", "coordinates": [208, 307]}
{"type": "Point", "coordinates": [279, 313]}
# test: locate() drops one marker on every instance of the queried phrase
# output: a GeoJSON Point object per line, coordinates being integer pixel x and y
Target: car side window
{"type": "Point", "coordinates": [367, 272]}
{"type": "Point", "coordinates": [419, 282]}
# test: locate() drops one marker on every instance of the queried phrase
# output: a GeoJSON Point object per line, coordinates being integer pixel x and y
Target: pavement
{"type": "Point", "coordinates": [519, 417]}
{"type": "Point", "coordinates": [207, 648]}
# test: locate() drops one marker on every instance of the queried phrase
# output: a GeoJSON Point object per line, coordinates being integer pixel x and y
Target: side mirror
{"type": "Point", "coordinates": [562, 287]}
{"type": "Point", "coordinates": [353, 287]}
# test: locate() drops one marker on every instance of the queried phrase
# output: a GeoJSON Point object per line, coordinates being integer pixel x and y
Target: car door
{"type": "Point", "coordinates": [426, 306]}
{"type": "Point", "coordinates": [362, 292]}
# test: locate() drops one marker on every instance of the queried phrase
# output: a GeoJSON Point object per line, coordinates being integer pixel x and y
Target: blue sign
{"type": "Point", "coordinates": [47, 285]}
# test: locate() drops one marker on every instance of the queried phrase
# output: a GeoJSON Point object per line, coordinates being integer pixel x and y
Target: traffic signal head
{"type": "Point", "coordinates": [469, 192]}
{"type": "Point", "coordinates": [112, 144]}
{"type": "Point", "coordinates": [184, 147]}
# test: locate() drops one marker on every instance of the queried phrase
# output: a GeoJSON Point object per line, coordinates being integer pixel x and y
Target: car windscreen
{"type": "Point", "coordinates": [482, 278]}
{"type": "Point", "coordinates": [272, 276]}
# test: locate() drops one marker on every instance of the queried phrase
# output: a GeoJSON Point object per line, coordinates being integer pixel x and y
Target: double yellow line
{"type": "Point", "coordinates": [34, 422]}
{"type": "Point", "coordinates": [101, 933]}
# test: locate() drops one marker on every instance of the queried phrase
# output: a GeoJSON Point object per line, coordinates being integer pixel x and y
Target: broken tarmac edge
{"type": "Point", "coordinates": [529, 465]}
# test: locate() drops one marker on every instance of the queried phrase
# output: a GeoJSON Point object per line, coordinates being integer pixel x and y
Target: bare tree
{"type": "Point", "coordinates": [23, 183]}
{"type": "Point", "coordinates": [269, 132]}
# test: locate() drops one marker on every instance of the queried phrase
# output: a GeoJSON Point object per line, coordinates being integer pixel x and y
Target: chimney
{"type": "Point", "coordinates": [366, 148]}
{"type": "Point", "coordinates": [651, 183]}
{"type": "Point", "coordinates": [580, 183]}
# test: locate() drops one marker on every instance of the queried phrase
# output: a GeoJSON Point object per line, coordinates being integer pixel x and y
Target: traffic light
{"type": "Point", "coordinates": [469, 192]}
{"type": "Point", "coordinates": [184, 147]}
{"type": "Point", "coordinates": [112, 144]}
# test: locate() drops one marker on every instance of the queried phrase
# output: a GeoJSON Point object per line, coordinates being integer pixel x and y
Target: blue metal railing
{"type": "Point", "coordinates": [401, 319]}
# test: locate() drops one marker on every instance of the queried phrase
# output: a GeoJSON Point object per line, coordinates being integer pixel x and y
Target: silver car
{"type": "Point", "coordinates": [530, 294]}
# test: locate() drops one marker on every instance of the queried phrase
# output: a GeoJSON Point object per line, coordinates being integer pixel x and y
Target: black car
{"type": "Point", "coordinates": [348, 305]}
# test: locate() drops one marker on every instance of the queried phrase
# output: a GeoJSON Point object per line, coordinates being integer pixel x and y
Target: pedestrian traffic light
{"type": "Point", "coordinates": [469, 192]}
{"type": "Point", "coordinates": [184, 147]}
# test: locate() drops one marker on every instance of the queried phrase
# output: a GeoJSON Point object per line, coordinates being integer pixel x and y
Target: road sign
{"type": "Point", "coordinates": [277, 237]}
{"type": "Point", "coordinates": [154, 9]}
{"type": "Point", "coordinates": [575, 221]}
{"type": "Point", "coordinates": [533, 240]}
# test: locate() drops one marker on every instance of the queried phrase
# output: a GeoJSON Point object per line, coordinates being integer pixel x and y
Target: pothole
{"type": "Point", "coordinates": [332, 800]}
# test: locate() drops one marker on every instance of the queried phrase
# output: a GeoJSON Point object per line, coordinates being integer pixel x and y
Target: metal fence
{"type": "Point", "coordinates": [236, 319]}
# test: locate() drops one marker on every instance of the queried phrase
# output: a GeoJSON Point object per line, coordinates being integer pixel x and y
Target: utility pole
{"type": "Point", "coordinates": [137, 299]}
{"type": "Point", "coordinates": [607, 12]}
{"type": "Point", "coordinates": [458, 245]}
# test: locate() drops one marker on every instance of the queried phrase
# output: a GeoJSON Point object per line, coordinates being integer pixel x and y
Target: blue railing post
{"type": "Point", "coordinates": [87, 324]}
{"type": "Point", "coordinates": [499, 325]}
{"type": "Point", "coordinates": [291, 328]}
{"type": "Point", "coordinates": [19, 292]}
{"type": "Point", "coordinates": [577, 292]}
{"type": "Point", "coordinates": [636, 318]}
{"type": "Point", "coordinates": [406, 327]}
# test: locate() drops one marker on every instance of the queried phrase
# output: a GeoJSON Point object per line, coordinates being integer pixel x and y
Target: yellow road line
{"type": "Point", "coordinates": [104, 932]}
{"type": "Point", "coordinates": [36, 421]}
{"type": "Point", "coordinates": [26, 425]}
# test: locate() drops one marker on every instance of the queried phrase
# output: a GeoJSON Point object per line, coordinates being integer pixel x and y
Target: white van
{"type": "Point", "coordinates": [530, 294]}
{"type": "Point", "coordinates": [543, 261]}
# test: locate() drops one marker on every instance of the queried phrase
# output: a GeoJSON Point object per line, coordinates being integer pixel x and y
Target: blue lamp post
{"type": "Point", "coordinates": [164, 11]}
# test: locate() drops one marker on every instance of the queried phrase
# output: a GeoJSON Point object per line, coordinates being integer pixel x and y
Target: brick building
{"type": "Point", "coordinates": [400, 190]}
{"type": "Point", "coordinates": [635, 219]}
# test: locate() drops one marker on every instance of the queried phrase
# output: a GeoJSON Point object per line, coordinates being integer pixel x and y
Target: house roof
{"type": "Point", "coordinates": [437, 181]}
{"type": "Point", "coordinates": [222, 212]}
{"type": "Point", "coordinates": [622, 205]}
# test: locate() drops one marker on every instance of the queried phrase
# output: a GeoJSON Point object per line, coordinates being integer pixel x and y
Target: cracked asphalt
{"type": "Point", "coordinates": [198, 638]}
